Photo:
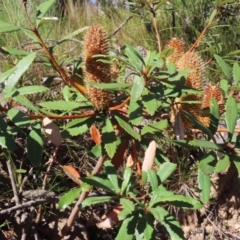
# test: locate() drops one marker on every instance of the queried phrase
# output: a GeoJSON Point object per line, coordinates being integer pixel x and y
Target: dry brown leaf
{"type": "Point", "coordinates": [72, 173]}
{"type": "Point", "coordinates": [52, 131]}
{"type": "Point", "coordinates": [130, 161]}
{"type": "Point", "coordinates": [118, 158]}
{"type": "Point", "coordinates": [149, 156]}
{"type": "Point", "coordinates": [111, 219]}
{"type": "Point", "coordinates": [95, 134]}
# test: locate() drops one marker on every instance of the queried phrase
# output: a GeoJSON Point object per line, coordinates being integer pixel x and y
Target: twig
{"type": "Point", "coordinates": [52, 160]}
{"type": "Point", "coordinates": [28, 204]}
{"type": "Point", "coordinates": [84, 194]}
{"type": "Point", "coordinates": [25, 180]}
{"type": "Point", "coordinates": [14, 188]}
{"type": "Point", "coordinates": [152, 10]}
{"type": "Point", "coordinates": [121, 26]}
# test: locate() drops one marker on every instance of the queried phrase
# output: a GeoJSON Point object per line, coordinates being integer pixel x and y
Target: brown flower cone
{"type": "Point", "coordinates": [95, 71]}
{"type": "Point", "coordinates": [179, 49]}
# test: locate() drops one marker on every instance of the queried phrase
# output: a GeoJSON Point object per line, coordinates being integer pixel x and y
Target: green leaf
{"type": "Point", "coordinates": [127, 205]}
{"type": "Point", "coordinates": [14, 51]}
{"type": "Point", "coordinates": [19, 118]}
{"type": "Point", "coordinates": [25, 102]}
{"type": "Point", "coordinates": [35, 146]}
{"type": "Point", "coordinates": [204, 185]}
{"type": "Point", "coordinates": [135, 58]}
{"type": "Point", "coordinates": [127, 228]}
{"type": "Point", "coordinates": [42, 10]}
{"type": "Point", "coordinates": [150, 103]}
{"type": "Point", "coordinates": [197, 143]}
{"type": "Point", "coordinates": [153, 179]}
{"type": "Point", "coordinates": [135, 112]}
{"type": "Point", "coordinates": [222, 164]}
{"type": "Point", "coordinates": [224, 86]}
{"type": "Point", "coordinates": [5, 75]}
{"type": "Point", "coordinates": [109, 138]}
{"type": "Point", "coordinates": [208, 163]}
{"type": "Point", "coordinates": [127, 127]}
{"type": "Point", "coordinates": [167, 52]}
{"type": "Point", "coordinates": [6, 27]}
{"type": "Point", "coordinates": [79, 121]}
{"type": "Point", "coordinates": [68, 198]}
{"type": "Point", "coordinates": [6, 139]}
{"type": "Point", "coordinates": [72, 34]}
{"type": "Point", "coordinates": [137, 88]}
{"type": "Point", "coordinates": [97, 200]}
{"type": "Point", "coordinates": [224, 66]}
{"type": "Point", "coordinates": [165, 170]}
{"type": "Point", "coordinates": [171, 225]}
{"type": "Point", "coordinates": [76, 131]}
{"type": "Point", "coordinates": [231, 116]}
{"type": "Point", "coordinates": [112, 175]}
{"type": "Point", "coordinates": [21, 66]}
{"type": "Point", "coordinates": [110, 86]}
{"type": "Point", "coordinates": [178, 201]}
{"type": "Point", "coordinates": [155, 127]}
{"type": "Point", "coordinates": [214, 116]}
{"type": "Point", "coordinates": [236, 72]}
{"type": "Point", "coordinates": [126, 179]}
{"type": "Point", "coordinates": [145, 227]}
{"type": "Point", "coordinates": [101, 181]}
{"type": "Point", "coordinates": [236, 161]}
{"type": "Point", "coordinates": [198, 124]}
{"type": "Point", "coordinates": [61, 105]}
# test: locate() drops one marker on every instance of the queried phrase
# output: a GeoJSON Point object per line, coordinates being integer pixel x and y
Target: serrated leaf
{"type": "Point", "coordinates": [137, 88]}
{"type": "Point", "coordinates": [126, 178]}
{"type": "Point", "coordinates": [6, 74]}
{"type": "Point", "coordinates": [224, 86]}
{"type": "Point", "coordinates": [19, 118]}
{"type": "Point", "coordinates": [236, 72]}
{"type": "Point", "coordinates": [100, 181]}
{"type": "Point", "coordinates": [127, 127]}
{"type": "Point", "coordinates": [42, 10]}
{"type": "Point", "coordinates": [171, 225]}
{"type": "Point", "coordinates": [155, 127]}
{"type": "Point", "coordinates": [231, 116]}
{"type": "Point", "coordinates": [6, 139]}
{"type": "Point", "coordinates": [150, 103]}
{"type": "Point", "coordinates": [178, 201]}
{"type": "Point", "coordinates": [68, 198]}
{"type": "Point", "coordinates": [61, 105]}
{"type": "Point", "coordinates": [15, 52]}
{"type": "Point", "coordinates": [6, 27]}
{"type": "Point", "coordinates": [72, 173]}
{"type": "Point", "coordinates": [25, 102]}
{"type": "Point", "coordinates": [145, 228]}
{"type": "Point", "coordinates": [127, 204]}
{"type": "Point", "coordinates": [165, 170]}
{"type": "Point", "coordinates": [222, 164]}
{"type": "Point", "coordinates": [35, 146]}
{"type": "Point", "coordinates": [109, 138]}
{"type": "Point", "coordinates": [208, 163]}
{"type": "Point", "coordinates": [153, 179]}
{"type": "Point", "coordinates": [214, 116]}
{"type": "Point", "coordinates": [127, 228]}
{"type": "Point", "coordinates": [67, 133]}
{"type": "Point", "coordinates": [197, 143]}
{"type": "Point", "coordinates": [224, 66]}
{"type": "Point", "coordinates": [97, 200]}
{"type": "Point", "coordinates": [112, 175]}
{"type": "Point", "coordinates": [135, 112]}
{"type": "Point", "coordinates": [110, 86]}
{"type": "Point", "coordinates": [21, 66]}
{"type": "Point", "coordinates": [204, 185]}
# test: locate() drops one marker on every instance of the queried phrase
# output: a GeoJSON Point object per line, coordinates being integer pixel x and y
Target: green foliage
{"type": "Point", "coordinates": [136, 114]}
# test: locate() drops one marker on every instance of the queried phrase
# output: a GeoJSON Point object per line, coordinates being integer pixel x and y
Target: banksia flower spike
{"type": "Point", "coordinates": [179, 49]}
{"type": "Point", "coordinates": [96, 71]}
{"type": "Point", "coordinates": [195, 79]}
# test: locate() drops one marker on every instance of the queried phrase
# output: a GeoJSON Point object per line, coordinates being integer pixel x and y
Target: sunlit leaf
{"type": "Point", "coordinates": [224, 66]}
{"type": "Point", "coordinates": [72, 173]}
{"type": "Point", "coordinates": [204, 185]}
{"type": "Point", "coordinates": [68, 198]}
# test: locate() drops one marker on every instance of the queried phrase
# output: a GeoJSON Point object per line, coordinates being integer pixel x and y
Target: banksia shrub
{"type": "Point", "coordinates": [179, 49]}
{"type": "Point", "coordinates": [96, 71]}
